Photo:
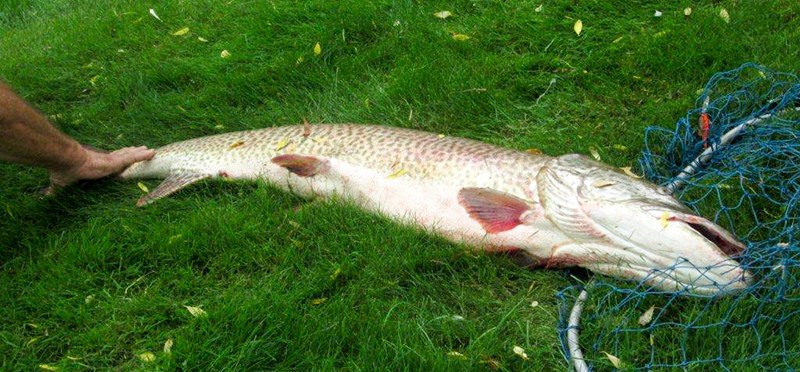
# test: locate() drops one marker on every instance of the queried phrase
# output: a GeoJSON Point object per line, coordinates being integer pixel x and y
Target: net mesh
{"type": "Point", "coordinates": [752, 188]}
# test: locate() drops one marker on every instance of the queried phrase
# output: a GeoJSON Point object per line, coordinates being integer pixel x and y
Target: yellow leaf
{"type": "Point", "coordinates": [202, 39]}
{"type": "Point", "coordinates": [299, 60]}
{"type": "Point", "coordinates": [181, 32]}
{"type": "Point", "coordinates": [614, 360]}
{"type": "Point", "coordinates": [619, 147]}
{"type": "Point", "coordinates": [48, 367]}
{"type": "Point", "coordinates": [539, 8]}
{"type": "Point", "coordinates": [617, 40]}
{"type": "Point", "coordinates": [664, 219]}
{"type": "Point", "coordinates": [72, 358]}
{"type": "Point", "coordinates": [319, 301]}
{"type": "Point", "coordinates": [235, 145]}
{"type": "Point", "coordinates": [147, 357]}
{"type": "Point", "coordinates": [143, 187]}
{"type": "Point", "coordinates": [578, 27]}
{"type": "Point", "coordinates": [440, 135]}
{"type": "Point", "coordinates": [520, 352]}
{"type": "Point", "coordinates": [534, 303]}
{"type": "Point", "coordinates": [168, 346]}
{"type": "Point", "coordinates": [317, 49]}
{"type": "Point", "coordinates": [456, 354]}
{"type": "Point", "coordinates": [225, 53]}
{"type": "Point", "coordinates": [687, 12]}
{"type": "Point", "coordinates": [219, 127]}
{"type": "Point", "coordinates": [93, 80]}
{"type": "Point", "coordinates": [196, 311]}
{"type": "Point", "coordinates": [336, 274]}
{"type": "Point", "coordinates": [32, 341]}
{"type": "Point", "coordinates": [647, 316]}
{"type": "Point", "coordinates": [602, 183]}
{"type": "Point", "coordinates": [443, 14]}
{"type": "Point", "coordinates": [724, 15]}
{"type": "Point", "coordinates": [460, 37]}
{"type": "Point", "coordinates": [629, 172]}
{"type": "Point", "coordinates": [398, 173]}
{"type": "Point", "coordinates": [595, 154]}
{"type": "Point", "coordinates": [534, 151]}
{"type": "Point", "coordinates": [281, 144]}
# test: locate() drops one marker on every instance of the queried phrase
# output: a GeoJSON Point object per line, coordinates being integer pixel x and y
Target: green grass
{"type": "Point", "coordinates": [87, 275]}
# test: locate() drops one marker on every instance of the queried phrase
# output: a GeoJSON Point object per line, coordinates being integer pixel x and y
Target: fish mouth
{"type": "Point", "coordinates": [713, 233]}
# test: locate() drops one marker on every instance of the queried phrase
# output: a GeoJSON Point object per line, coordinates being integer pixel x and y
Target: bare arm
{"type": "Point", "coordinates": [27, 137]}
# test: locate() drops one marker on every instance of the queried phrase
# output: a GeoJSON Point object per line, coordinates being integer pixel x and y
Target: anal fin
{"type": "Point", "coordinates": [171, 184]}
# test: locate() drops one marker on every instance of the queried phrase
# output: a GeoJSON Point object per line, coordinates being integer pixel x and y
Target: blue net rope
{"type": "Point", "coordinates": [752, 188]}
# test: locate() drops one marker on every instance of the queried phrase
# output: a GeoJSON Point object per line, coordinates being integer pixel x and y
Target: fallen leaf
{"type": "Point", "coordinates": [534, 303]}
{"type": "Point", "coordinates": [202, 39]}
{"type": "Point", "coordinates": [629, 172]}
{"type": "Point", "coordinates": [520, 352]}
{"type": "Point", "coordinates": [443, 14]}
{"type": "Point", "coordinates": [219, 127]}
{"type": "Point", "coordinates": [664, 219]}
{"type": "Point", "coordinates": [281, 144]}
{"type": "Point", "coordinates": [647, 316]}
{"type": "Point", "coordinates": [534, 151]}
{"type": "Point", "coordinates": [336, 274]}
{"type": "Point", "coordinates": [395, 24]}
{"type": "Point", "coordinates": [235, 145]}
{"type": "Point", "coordinates": [460, 37]}
{"type": "Point", "coordinates": [143, 187]}
{"type": "Point", "coordinates": [723, 13]}
{"type": "Point", "coordinates": [614, 360]}
{"type": "Point", "coordinates": [660, 34]}
{"type": "Point", "coordinates": [687, 12]}
{"type": "Point", "coordinates": [196, 311]}
{"type": "Point", "coordinates": [225, 53]}
{"type": "Point", "coordinates": [539, 8]}
{"type": "Point", "coordinates": [299, 60]}
{"type": "Point", "coordinates": [153, 13]}
{"type": "Point", "coordinates": [595, 154]}
{"type": "Point", "coordinates": [440, 135]}
{"type": "Point", "coordinates": [619, 147]}
{"type": "Point", "coordinates": [93, 80]}
{"type": "Point", "coordinates": [317, 49]}
{"type": "Point", "coordinates": [32, 341]}
{"type": "Point", "coordinates": [456, 354]}
{"type": "Point", "coordinates": [72, 358]}
{"type": "Point", "coordinates": [658, 14]}
{"type": "Point", "coordinates": [168, 346]}
{"type": "Point", "coordinates": [617, 40]}
{"type": "Point", "coordinates": [397, 173]}
{"type": "Point", "coordinates": [88, 299]}
{"type": "Point", "coordinates": [48, 367]}
{"type": "Point", "coordinates": [319, 301]}
{"type": "Point", "coordinates": [578, 27]}
{"type": "Point", "coordinates": [181, 32]}
{"type": "Point", "coordinates": [147, 357]}
{"type": "Point", "coordinates": [602, 183]}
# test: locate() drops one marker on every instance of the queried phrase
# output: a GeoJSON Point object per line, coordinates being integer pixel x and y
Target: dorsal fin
{"type": "Point", "coordinates": [171, 184]}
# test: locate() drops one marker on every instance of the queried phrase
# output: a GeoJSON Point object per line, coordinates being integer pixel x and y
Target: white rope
{"type": "Point", "coordinates": [572, 334]}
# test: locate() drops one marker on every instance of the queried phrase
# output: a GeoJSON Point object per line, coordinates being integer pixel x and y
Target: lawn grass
{"type": "Point", "coordinates": [90, 281]}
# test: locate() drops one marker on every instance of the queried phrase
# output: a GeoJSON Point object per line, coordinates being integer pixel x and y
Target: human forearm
{"type": "Point", "coordinates": [27, 137]}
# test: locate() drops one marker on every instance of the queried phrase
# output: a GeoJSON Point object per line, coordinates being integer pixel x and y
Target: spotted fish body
{"type": "Point", "coordinates": [564, 211]}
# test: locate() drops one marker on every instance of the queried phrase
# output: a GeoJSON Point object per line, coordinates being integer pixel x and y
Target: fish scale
{"type": "Point", "coordinates": [579, 213]}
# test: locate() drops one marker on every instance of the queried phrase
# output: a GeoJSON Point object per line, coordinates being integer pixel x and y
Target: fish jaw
{"type": "Point", "coordinates": [629, 228]}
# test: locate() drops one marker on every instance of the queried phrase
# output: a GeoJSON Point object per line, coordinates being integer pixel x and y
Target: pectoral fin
{"type": "Point", "coordinates": [496, 211]}
{"type": "Point", "coordinates": [303, 166]}
{"type": "Point", "coordinates": [171, 184]}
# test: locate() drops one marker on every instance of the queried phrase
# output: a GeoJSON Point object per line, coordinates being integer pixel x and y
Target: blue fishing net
{"type": "Point", "coordinates": [751, 187]}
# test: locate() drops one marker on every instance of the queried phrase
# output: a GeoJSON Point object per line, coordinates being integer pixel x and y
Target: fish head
{"type": "Point", "coordinates": [630, 228]}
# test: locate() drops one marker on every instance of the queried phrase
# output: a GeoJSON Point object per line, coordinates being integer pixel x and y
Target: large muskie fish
{"type": "Point", "coordinates": [556, 212]}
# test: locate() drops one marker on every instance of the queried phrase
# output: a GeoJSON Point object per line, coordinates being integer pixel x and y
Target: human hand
{"type": "Point", "coordinates": [99, 164]}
